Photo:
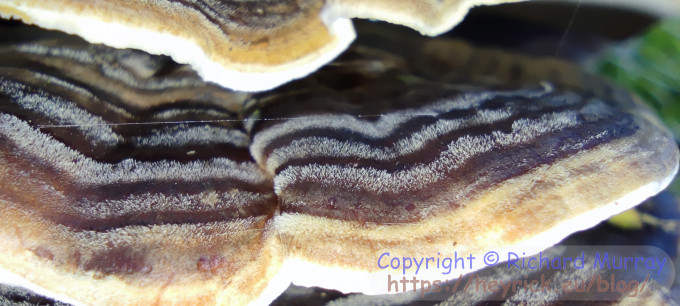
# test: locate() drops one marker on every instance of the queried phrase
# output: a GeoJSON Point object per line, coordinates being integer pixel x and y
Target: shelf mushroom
{"type": "Point", "coordinates": [128, 178]}
{"type": "Point", "coordinates": [127, 175]}
{"type": "Point", "coordinates": [249, 45]}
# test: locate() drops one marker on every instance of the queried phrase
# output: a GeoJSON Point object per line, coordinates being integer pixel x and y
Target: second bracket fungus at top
{"type": "Point", "coordinates": [242, 45]}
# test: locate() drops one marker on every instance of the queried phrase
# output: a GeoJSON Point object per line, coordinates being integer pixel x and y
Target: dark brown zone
{"type": "Point", "coordinates": [251, 15]}
{"type": "Point", "coordinates": [129, 127]}
{"type": "Point", "coordinates": [484, 170]}
{"type": "Point", "coordinates": [210, 257]}
{"type": "Point", "coordinates": [53, 65]}
{"type": "Point", "coordinates": [112, 256]}
{"type": "Point", "coordinates": [327, 102]}
{"type": "Point", "coordinates": [22, 66]}
{"type": "Point", "coordinates": [118, 260]}
{"type": "Point", "coordinates": [138, 256]}
{"type": "Point", "coordinates": [36, 172]}
{"type": "Point", "coordinates": [524, 108]}
{"type": "Point", "coordinates": [144, 92]}
{"type": "Point", "coordinates": [211, 265]}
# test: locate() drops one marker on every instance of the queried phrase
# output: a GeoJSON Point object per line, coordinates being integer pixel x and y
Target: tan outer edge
{"type": "Point", "coordinates": [329, 38]}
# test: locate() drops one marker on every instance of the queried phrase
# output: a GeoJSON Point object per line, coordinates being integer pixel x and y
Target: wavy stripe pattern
{"type": "Point", "coordinates": [122, 153]}
{"type": "Point", "coordinates": [126, 170]}
{"type": "Point", "coordinates": [379, 167]}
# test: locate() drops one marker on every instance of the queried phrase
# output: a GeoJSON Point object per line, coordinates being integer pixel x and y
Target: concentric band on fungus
{"type": "Point", "coordinates": [126, 179]}
{"type": "Point", "coordinates": [99, 196]}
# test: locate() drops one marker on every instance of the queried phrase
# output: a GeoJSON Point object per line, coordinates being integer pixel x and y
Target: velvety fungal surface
{"type": "Point", "coordinates": [101, 195]}
{"type": "Point", "coordinates": [124, 178]}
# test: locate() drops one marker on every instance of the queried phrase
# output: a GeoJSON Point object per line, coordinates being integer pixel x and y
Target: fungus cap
{"type": "Point", "coordinates": [211, 196]}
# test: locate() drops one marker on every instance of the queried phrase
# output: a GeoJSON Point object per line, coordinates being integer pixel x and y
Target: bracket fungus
{"type": "Point", "coordinates": [127, 178]}
{"type": "Point", "coordinates": [242, 45]}
{"type": "Point", "coordinates": [211, 196]}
